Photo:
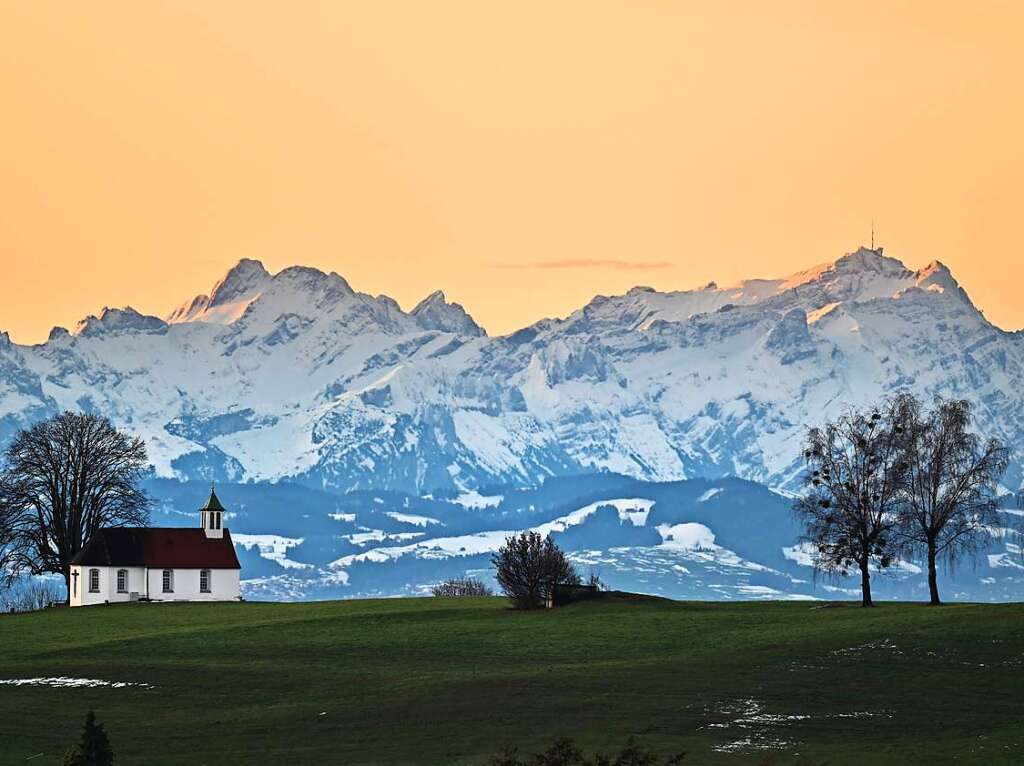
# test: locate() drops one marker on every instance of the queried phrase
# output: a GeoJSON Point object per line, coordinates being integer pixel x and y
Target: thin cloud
{"type": "Point", "coordinates": [588, 263]}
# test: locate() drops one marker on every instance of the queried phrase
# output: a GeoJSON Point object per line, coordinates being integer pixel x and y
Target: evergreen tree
{"type": "Point", "coordinates": [94, 749]}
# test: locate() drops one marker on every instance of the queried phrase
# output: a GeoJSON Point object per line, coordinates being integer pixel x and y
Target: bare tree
{"type": "Point", "coordinates": [63, 479]}
{"type": "Point", "coordinates": [951, 485]}
{"type": "Point", "coordinates": [852, 496]}
{"type": "Point", "coordinates": [457, 587]}
{"type": "Point", "coordinates": [30, 595]}
{"type": "Point", "coordinates": [528, 566]}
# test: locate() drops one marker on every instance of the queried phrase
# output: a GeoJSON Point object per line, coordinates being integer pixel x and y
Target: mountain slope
{"type": "Point", "coordinates": [706, 539]}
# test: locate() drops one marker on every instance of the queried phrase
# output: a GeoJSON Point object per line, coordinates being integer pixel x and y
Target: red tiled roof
{"type": "Point", "coordinates": [159, 548]}
{"type": "Point", "coordinates": [189, 549]}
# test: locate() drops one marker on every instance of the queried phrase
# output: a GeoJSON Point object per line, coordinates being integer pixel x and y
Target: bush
{"type": "Point", "coordinates": [563, 752]}
{"type": "Point", "coordinates": [529, 566]}
{"type": "Point", "coordinates": [461, 586]}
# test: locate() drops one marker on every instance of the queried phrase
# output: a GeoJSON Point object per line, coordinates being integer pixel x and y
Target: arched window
{"type": "Point", "coordinates": [213, 521]}
{"type": "Point", "coordinates": [94, 581]}
{"type": "Point", "coordinates": [204, 580]}
{"type": "Point", "coordinates": [168, 581]}
{"type": "Point", "coordinates": [122, 580]}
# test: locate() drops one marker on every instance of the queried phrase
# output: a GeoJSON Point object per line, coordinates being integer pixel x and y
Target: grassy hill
{"type": "Point", "coordinates": [451, 681]}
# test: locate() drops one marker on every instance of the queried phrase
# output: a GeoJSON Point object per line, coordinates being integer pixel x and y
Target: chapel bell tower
{"type": "Point", "coordinates": [211, 516]}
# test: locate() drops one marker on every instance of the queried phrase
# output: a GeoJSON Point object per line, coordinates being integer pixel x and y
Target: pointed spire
{"type": "Point", "coordinates": [213, 504]}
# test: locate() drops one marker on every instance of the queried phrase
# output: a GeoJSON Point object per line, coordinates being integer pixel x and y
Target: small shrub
{"type": "Point", "coordinates": [563, 752]}
{"type": "Point", "coordinates": [507, 757]}
{"type": "Point", "coordinates": [461, 586]}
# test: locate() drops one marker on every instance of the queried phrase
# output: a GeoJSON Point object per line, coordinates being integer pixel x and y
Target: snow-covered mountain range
{"type": "Point", "coordinates": [297, 376]}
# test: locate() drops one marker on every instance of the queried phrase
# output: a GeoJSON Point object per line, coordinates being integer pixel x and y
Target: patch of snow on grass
{"type": "Point", "coordinates": [761, 729]}
{"type": "Point", "coordinates": [68, 682]}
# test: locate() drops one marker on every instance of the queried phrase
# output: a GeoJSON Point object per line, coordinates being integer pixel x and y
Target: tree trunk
{"type": "Point", "coordinates": [933, 579]}
{"type": "Point", "coordinates": [865, 584]}
{"type": "Point", "coordinates": [67, 585]}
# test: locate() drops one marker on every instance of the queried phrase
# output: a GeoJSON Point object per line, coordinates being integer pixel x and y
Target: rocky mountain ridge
{"type": "Point", "coordinates": [298, 376]}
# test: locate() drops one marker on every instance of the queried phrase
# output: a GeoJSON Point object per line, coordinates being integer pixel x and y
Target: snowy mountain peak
{"type": "Point", "coordinates": [229, 298]}
{"type": "Point", "coordinates": [864, 275]}
{"type": "Point", "coordinates": [866, 259]}
{"type": "Point", "coordinates": [851, 274]}
{"type": "Point", "coordinates": [113, 320]}
{"type": "Point", "coordinates": [435, 313]}
{"type": "Point", "coordinates": [313, 280]}
{"type": "Point", "coordinates": [243, 280]}
{"type": "Point", "coordinates": [936, 276]}
{"type": "Point", "coordinates": [436, 297]}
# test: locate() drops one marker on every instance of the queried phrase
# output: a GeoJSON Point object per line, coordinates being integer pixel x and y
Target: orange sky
{"type": "Point", "coordinates": [146, 147]}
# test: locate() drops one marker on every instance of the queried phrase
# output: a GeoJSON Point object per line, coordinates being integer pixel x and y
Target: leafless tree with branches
{"type": "Point", "coordinates": [30, 594]}
{"type": "Point", "coordinates": [852, 499]}
{"type": "Point", "coordinates": [458, 587]}
{"type": "Point", "coordinates": [62, 480]}
{"type": "Point", "coordinates": [951, 484]}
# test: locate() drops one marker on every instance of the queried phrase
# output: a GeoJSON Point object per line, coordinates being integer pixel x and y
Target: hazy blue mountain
{"type": "Point", "coordinates": [719, 539]}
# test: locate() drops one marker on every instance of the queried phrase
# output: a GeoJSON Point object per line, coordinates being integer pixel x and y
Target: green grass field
{"type": "Point", "coordinates": [451, 681]}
